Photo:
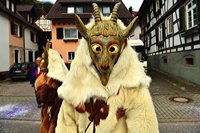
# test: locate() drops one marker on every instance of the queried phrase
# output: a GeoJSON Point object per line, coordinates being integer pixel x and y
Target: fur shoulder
{"type": "Point", "coordinates": [56, 67]}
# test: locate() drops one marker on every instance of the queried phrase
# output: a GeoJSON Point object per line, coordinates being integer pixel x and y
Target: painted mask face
{"type": "Point", "coordinates": [105, 45]}
{"type": "Point", "coordinates": [104, 52]}
{"type": "Point", "coordinates": [105, 41]}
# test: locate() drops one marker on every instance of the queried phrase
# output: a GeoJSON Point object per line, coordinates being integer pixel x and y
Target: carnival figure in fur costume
{"type": "Point", "coordinates": [106, 89]}
{"type": "Point", "coordinates": [54, 72]}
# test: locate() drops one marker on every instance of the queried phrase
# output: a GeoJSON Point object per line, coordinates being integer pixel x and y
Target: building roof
{"type": "Point", "coordinates": [134, 13]}
{"type": "Point", "coordinates": [56, 10]}
{"type": "Point", "coordinates": [18, 17]}
{"type": "Point", "coordinates": [24, 8]}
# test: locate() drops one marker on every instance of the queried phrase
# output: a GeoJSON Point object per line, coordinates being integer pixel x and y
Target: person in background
{"type": "Point", "coordinates": [35, 73]}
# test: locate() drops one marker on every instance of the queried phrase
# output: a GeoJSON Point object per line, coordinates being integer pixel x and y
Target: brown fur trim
{"type": "Point", "coordinates": [53, 83]}
{"type": "Point", "coordinates": [80, 108]}
{"type": "Point", "coordinates": [46, 94]}
{"type": "Point", "coordinates": [120, 113]}
{"type": "Point", "coordinates": [41, 80]}
{"type": "Point", "coordinates": [100, 111]}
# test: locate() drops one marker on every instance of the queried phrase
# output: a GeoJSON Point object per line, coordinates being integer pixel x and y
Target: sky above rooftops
{"type": "Point", "coordinates": [134, 3]}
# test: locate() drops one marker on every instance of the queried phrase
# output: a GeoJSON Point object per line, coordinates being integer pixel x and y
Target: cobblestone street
{"type": "Point", "coordinates": [175, 117]}
{"type": "Point", "coordinates": [19, 112]}
{"type": "Point", "coordinates": [18, 109]}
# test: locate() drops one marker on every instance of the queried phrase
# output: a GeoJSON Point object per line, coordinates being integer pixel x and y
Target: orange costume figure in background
{"type": "Point", "coordinates": [47, 89]}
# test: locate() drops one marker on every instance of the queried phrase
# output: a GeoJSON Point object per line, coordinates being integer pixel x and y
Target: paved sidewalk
{"type": "Point", "coordinates": [175, 117]}
{"type": "Point", "coordinates": [18, 108]}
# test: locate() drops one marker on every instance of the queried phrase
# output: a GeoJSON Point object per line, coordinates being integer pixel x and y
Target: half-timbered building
{"type": "Point", "coordinates": [171, 33]}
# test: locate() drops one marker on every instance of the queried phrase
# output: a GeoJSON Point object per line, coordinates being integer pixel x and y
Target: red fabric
{"type": "Point", "coordinates": [37, 74]}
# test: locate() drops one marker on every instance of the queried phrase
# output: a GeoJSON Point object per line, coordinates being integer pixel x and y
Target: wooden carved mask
{"type": "Point", "coordinates": [105, 40]}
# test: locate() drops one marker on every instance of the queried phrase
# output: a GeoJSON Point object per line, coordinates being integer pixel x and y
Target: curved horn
{"type": "Point", "coordinates": [131, 27]}
{"type": "Point", "coordinates": [114, 13]}
{"type": "Point", "coordinates": [81, 27]}
{"type": "Point", "coordinates": [96, 12]}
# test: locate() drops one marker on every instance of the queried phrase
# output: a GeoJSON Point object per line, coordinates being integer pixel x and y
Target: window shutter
{"type": "Point", "coordinates": [198, 10]}
{"type": "Point", "coordinates": [20, 32]}
{"type": "Point", "coordinates": [12, 28]}
{"type": "Point", "coordinates": [79, 35]}
{"type": "Point", "coordinates": [182, 18]}
{"type": "Point", "coordinates": [163, 30]}
{"type": "Point", "coordinates": [36, 37]}
{"type": "Point", "coordinates": [157, 35]}
{"type": "Point", "coordinates": [59, 33]}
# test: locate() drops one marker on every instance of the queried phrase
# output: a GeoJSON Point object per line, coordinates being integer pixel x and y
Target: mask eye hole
{"type": "Point", "coordinates": [96, 48]}
{"type": "Point", "coordinates": [113, 49]}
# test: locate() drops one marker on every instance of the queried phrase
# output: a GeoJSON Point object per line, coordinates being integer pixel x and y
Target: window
{"type": "Point", "coordinates": [74, 10]}
{"type": "Point", "coordinates": [169, 25]}
{"type": "Point", "coordinates": [30, 56]}
{"type": "Point", "coordinates": [70, 33]}
{"type": "Point", "coordinates": [79, 9]}
{"type": "Point", "coordinates": [71, 55]}
{"type": "Point", "coordinates": [16, 29]}
{"type": "Point", "coordinates": [148, 18]}
{"type": "Point", "coordinates": [12, 7]}
{"type": "Point", "coordinates": [191, 14]}
{"type": "Point", "coordinates": [105, 10]}
{"type": "Point", "coordinates": [189, 60]}
{"type": "Point", "coordinates": [157, 5]}
{"type": "Point", "coordinates": [160, 37]}
{"type": "Point", "coordinates": [32, 37]}
{"type": "Point", "coordinates": [28, 18]}
{"type": "Point", "coordinates": [164, 59]}
{"type": "Point", "coordinates": [70, 10]}
{"type": "Point", "coordinates": [7, 4]}
{"type": "Point", "coordinates": [161, 32]}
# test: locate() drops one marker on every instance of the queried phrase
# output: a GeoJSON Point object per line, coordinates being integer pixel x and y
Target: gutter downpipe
{"type": "Point", "coordinates": [24, 44]}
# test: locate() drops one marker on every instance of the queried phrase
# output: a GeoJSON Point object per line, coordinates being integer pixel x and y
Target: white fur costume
{"type": "Point", "coordinates": [82, 82]}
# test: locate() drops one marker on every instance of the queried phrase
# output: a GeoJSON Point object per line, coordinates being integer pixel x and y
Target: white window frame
{"type": "Point", "coordinates": [18, 29]}
{"type": "Point", "coordinates": [8, 4]}
{"type": "Point", "coordinates": [157, 5]}
{"type": "Point", "coordinates": [160, 37]}
{"type": "Point", "coordinates": [104, 9]}
{"type": "Point", "coordinates": [72, 8]}
{"type": "Point", "coordinates": [28, 18]}
{"type": "Point", "coordinates": [79, 12]}
{"type": "Point", "coordinates": [191, 9]}
{"type": "Point", "coordinates": [170, 25]}
{"type": "Point", "coordinates": [68, 55]}
{"type": "Point", "coordinates": [67, 38]}
{"type": "Point", "coordinates": [148, 18]}
{"type": "Point", "coordinates": [12, 7]}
